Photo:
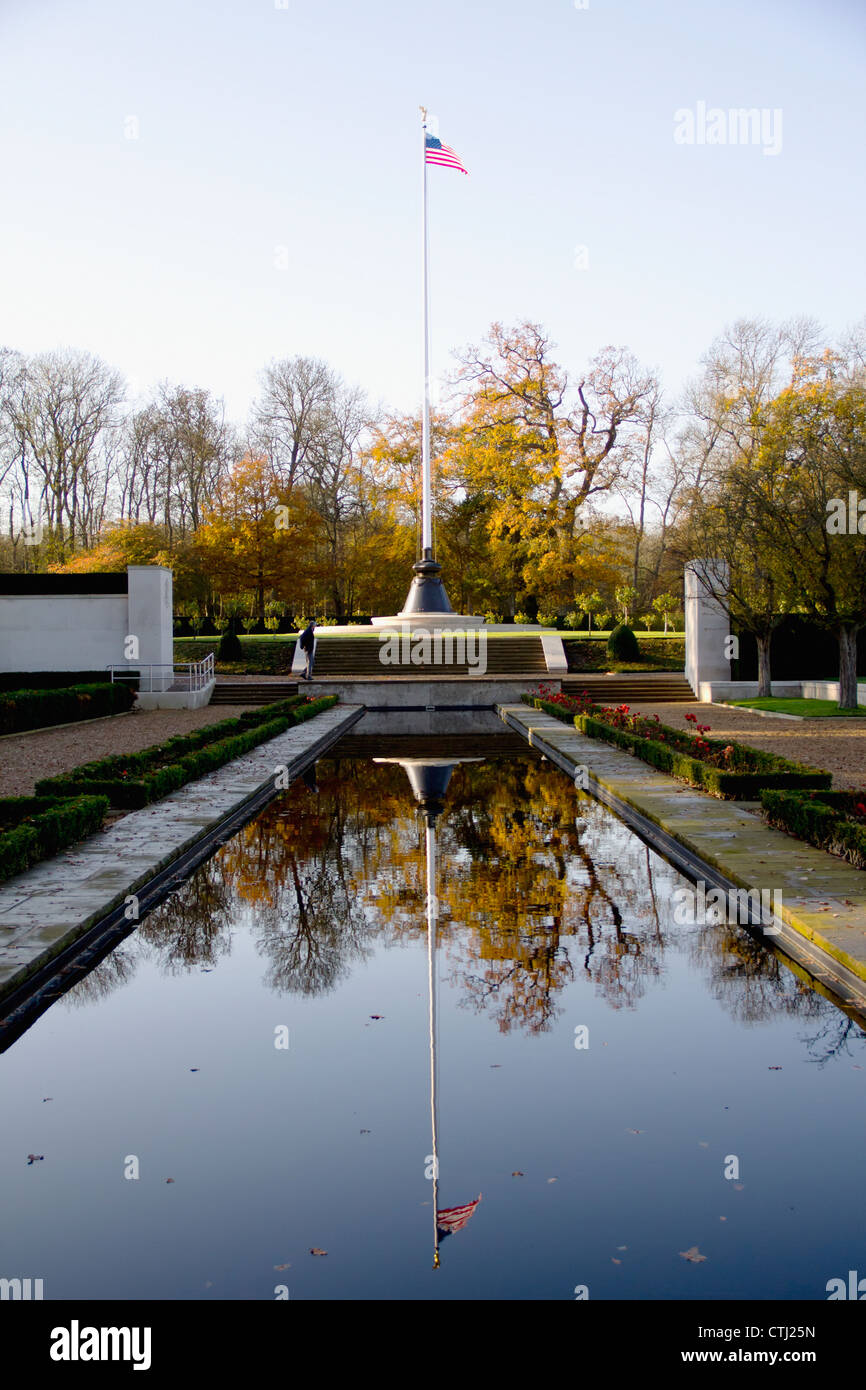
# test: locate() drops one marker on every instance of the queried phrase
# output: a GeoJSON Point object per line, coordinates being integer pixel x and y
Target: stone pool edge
{"type": "Point", "coordinates": [51, 906]}
{"type": "Point", "coordinates": [697, 823]}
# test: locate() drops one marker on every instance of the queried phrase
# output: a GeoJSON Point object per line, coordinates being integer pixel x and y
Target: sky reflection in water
{"type": "Point", "coordinates": [596, 1166]}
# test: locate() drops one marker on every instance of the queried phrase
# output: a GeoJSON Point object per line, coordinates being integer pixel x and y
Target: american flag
{"type": "Point", "coordinates": [437, 153]}
{"type": "Point", "coordinates": [455, 1218]}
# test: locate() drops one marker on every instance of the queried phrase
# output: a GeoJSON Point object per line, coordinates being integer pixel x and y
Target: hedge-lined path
{"type": "Point", "coordinates": [823, 898]}
{"type": "Point", "coordinates": [51, 905]}
{"type": "Point", "coordinates": [836, 745]}
{"type": "Point", "coordinates": [25, 758]}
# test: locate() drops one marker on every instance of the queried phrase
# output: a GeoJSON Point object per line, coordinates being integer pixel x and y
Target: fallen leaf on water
{"type": "Point", "coordinates": [282, 1266]}
{"type": "Point", "coordinates": [316, 1251]}
{"type": "Point", "coordinates": [693, 1255]}
{"type": "Point", "coordinates": [517, 1174]}
{"type": "Point", "coordinates": [615, 1261]}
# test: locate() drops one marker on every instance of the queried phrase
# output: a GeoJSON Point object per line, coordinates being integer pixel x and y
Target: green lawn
{"type": "Point", "coordinates": [567, 635]}
{"type": "Point", "coordinates": [807, 709]}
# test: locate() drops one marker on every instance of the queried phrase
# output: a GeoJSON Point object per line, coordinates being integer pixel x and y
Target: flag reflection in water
{"type": "Point", "coordinates": [429, 780]}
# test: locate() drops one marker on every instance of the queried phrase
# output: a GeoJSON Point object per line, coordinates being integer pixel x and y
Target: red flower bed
{"type": "Point", "coordinates": [621, 717]}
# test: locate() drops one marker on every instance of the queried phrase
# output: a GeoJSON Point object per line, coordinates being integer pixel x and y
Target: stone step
{"type": "Point", "coordinates": [252, 692]}
{"type": "Point", "coordinates": [666, 689]}
{"type": "Point", "coordinates": [362, 656]}
{"type": "Point", "coordinates": [381, 672]}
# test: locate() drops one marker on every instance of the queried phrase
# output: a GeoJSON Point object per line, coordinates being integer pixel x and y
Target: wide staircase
{"type": "Point", "coordinates": [640, 689]}
{"type": "Point", "coordinates": [351, 658]}
{"type": "Point", "coordinates": [229, 692]}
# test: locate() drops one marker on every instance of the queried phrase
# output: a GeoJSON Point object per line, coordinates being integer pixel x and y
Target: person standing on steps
{"type": "Point", "coordinates": [307, 641]}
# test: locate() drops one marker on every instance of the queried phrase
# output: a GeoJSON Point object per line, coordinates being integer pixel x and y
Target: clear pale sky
{"type": "Point", "coordinates": [262, 127]}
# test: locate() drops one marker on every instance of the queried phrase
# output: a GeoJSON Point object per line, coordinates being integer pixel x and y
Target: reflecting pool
{"type": "Point", "coordinates": [247, 1077]}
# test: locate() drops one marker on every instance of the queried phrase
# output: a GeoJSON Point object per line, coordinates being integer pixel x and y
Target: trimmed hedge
{"type": "Point", "coordinates": [34, 827]}
{"type": "Point", "coordinates": [230, 648]}
{"type": "Point", "coordinates": [827, 819]}
{"type": "Point", "coordinates": [49, 680]}
{"type": "Point", "coordinates": [764, 770]}
{"type": "Point", "coordinates": [622, 644]}
{"type": "Point", "coordinates": [312, 707]}
{"type": "Point", "coordinates": [21, 710]}
{"type": "Point", "coordinates": [133, 780]}
{"type": "Point", "coordinates": [546, 707]}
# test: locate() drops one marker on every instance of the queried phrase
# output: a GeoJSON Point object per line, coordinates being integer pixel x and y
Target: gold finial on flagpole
{"type": "Point", "coordinates": [423, 110]}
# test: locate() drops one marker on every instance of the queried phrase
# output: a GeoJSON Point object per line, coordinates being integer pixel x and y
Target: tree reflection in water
{"type": "Point", "coordinates": [538, 885]}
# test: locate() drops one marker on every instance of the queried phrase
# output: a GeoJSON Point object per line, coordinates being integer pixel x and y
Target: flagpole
{"type": "Point", "coordinates": [432, 913]}
{"type": "Point", "coordinates": [426, 499]}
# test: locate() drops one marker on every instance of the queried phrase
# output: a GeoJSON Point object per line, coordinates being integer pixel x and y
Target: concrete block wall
{"type": "Point", "coordinates": [86, 632]}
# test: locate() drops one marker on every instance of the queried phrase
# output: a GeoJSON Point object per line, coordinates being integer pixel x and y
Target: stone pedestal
{"type": "Point", "coordinates": [707, 623]}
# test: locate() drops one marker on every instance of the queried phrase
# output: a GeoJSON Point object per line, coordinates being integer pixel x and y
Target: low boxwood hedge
{"type": "Point", "coordinates": [133, 780]}
{"type": "Point", "coordinates": [23, 709]}
{"type": "Point", "coordinates": [309, 708]}
{"type": "Point", "coordinates": [830, 820]}
{"type": "Point", "coordinates": [49, 680]}
{"type": "Point", "coordinates": [37, 827]}
{"type": "Point", "coordinates": [753, 769]}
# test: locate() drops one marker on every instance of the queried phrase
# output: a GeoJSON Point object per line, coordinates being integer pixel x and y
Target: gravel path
{"type": "Point", "coordinates": [24, 758]}
{"type": "Point", "coordinates": [835, 745]}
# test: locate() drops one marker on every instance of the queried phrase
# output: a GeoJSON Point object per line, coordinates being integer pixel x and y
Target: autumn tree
{"type": "Point", "coordinates": [252, 540]}
{"type": "Point", "coordinates": [816, 435]}
{"type": "Point", "coordinates": [538, 446]}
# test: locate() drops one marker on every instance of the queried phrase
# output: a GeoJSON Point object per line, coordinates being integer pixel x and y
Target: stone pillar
{"type": "Point", "coordinates": [150, 618]}
{"type": "Point", "coordinates": [707, 623]}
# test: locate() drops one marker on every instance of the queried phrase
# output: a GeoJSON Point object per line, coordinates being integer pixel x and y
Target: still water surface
{"type": "Point", "coordinates": [596, 1166]}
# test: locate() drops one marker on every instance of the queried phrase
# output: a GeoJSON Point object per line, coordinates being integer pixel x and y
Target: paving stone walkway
{"type": "Point", "coordinates": [56, 901]}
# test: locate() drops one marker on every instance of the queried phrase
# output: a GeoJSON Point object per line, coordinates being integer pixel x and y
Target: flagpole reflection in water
{"type": "Point", "coordinates": [429, 780]}
{"type": "Point", "coordinates": [432, 924]}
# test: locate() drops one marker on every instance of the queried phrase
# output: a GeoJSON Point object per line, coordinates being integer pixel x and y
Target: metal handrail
{"type": "Point", "coordinates": [185, 675]}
